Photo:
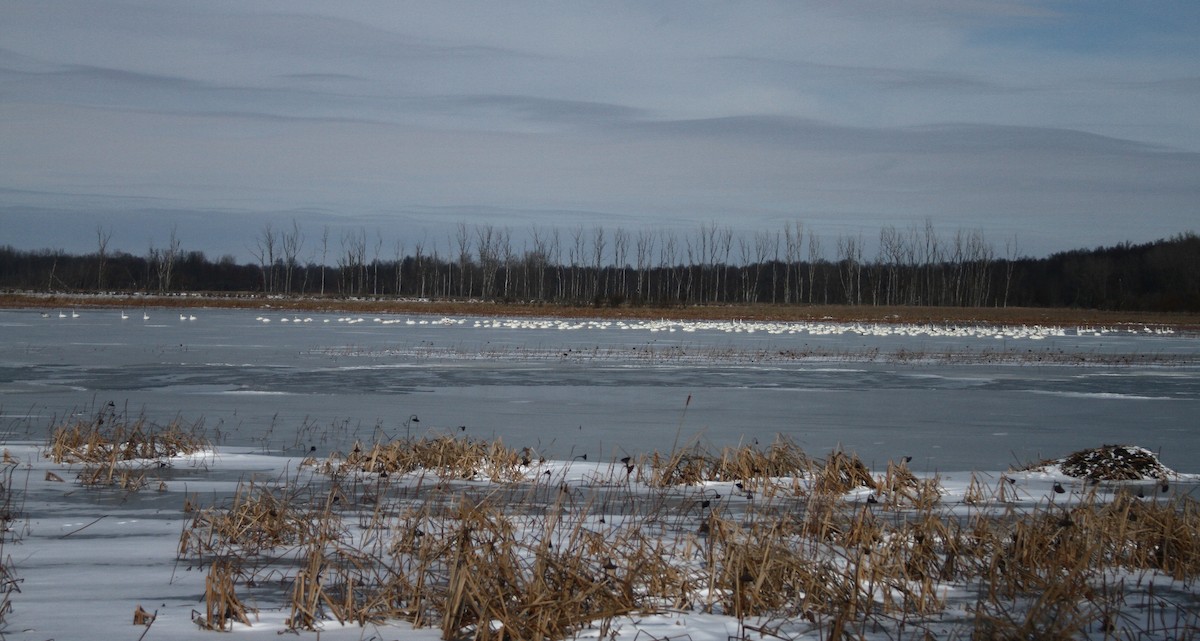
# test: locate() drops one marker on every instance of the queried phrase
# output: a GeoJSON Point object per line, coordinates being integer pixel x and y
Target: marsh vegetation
{"type": "Point", "coordinates": [482, 541]}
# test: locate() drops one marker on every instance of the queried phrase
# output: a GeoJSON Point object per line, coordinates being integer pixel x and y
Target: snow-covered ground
{"type": "Point", "coordinates": [87, 558]}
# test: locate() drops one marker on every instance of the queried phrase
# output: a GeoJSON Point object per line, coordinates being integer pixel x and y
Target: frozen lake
{"type": "Point", "coordinates": [966, 398]}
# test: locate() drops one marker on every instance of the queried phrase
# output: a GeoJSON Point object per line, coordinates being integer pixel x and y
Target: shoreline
{"type": "Point", "coordinates": [1180, 321]}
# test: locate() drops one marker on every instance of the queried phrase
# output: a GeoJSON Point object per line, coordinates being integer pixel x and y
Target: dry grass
{"type": "Point", "coordinates": [221, 604]}
{"type": "Point", "coordinates": [404, 531]}
{"type": "Point", "coordinates": [10, 512]}
{"type": "Point", "coordinates": [94, 441]}
{"type": "Point", "coordinates": [114, 451]}
{"type": "Point", "coordinates": [448, 457]}
{"type": "Point", "coordinates": [260, 518]}
{"type": "Point", "coordinates": [749, 465]}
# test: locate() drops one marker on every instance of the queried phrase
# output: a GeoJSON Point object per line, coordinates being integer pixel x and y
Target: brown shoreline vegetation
{"type": "Point", "coordinates": [1179, 321]}
{"type": "Point", "coordinates": [485, 542]}
{"type": "Point", "coordinates": [544, 559]}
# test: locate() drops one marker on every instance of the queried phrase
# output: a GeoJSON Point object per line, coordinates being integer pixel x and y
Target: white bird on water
{"type": "Point", "coordinates": [124, 316]}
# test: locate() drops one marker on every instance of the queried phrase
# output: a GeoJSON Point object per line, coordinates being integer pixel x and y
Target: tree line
{"type": "Point", "coordinates": [597, 266]}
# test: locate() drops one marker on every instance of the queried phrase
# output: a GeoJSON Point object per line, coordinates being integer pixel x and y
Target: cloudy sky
{"type": "Point", "coordinates": [1060, 124]}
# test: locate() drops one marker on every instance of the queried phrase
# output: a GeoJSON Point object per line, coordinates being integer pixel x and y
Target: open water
{"type": "Point", "coordinates": [966, 398]}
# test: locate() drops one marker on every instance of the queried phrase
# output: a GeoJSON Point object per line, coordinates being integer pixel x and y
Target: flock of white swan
{"type": "Point", "coordinates": [124, 315]}
{"type": "Point", "coordinates": [808, 328]}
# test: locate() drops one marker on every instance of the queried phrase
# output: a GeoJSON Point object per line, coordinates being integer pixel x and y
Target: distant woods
{"type": "Point", "coordinates": [603, 267]}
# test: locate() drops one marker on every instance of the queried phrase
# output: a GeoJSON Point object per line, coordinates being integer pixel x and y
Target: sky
{"type": "Point", "coordinates": [1045, 125]}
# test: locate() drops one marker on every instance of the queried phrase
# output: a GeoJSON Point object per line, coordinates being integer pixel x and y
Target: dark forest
{"type": "Point", "coordinates": [916, 266]}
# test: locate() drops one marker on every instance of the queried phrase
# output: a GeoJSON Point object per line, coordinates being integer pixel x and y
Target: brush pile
{"type": "Point", "coordinates": [1110, 463]}
{"type": "Point", "coordinates": [1115, 463]}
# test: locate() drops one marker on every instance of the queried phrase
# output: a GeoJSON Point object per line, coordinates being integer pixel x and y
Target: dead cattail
{"type": "Point", "coordinates": [142, 617]}
{"type": "Point", "coordinates": [221, 604]}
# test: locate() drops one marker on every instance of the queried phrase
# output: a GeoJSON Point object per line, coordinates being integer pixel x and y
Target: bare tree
{"type": "Point", "coordinates": [793, 238]}
{"type": "Point", "coordinates": [775, 272]}
{"type": "Point", "coordinates": [419, 259]}
{"type": "Point", "coordinates": [725, 245]}
{"type": "Point", "coordinates": [353, 262]}
{"type": "Point", "coordinates": [538, 257]}
{"type": "Point", "coordinates": [931, 257]}
{"type": "Point", "coordinates": [744, 259]}
{"type": "Point", "coordinates": [980, 255]}
{"type": "Point", "coordinates": [556, 257]}
{"type": "Point", "coordinates": [762, 249]}
{"type": "Point", "coordinates": [55, 256]}
{"type": "Point", "coordinates": [166, 265]}
{"type": "Point", "coordinates": [508, 258]}
{"type": "Point", "coordinates": [486, 247]}
{"type": "Point", "coordinates": [264, 251]}
{"type": "Point", "coordinates": [912, 272]}
{"type": "Point", "coordinates": [102, 237]}
{"type": "Point", "coordinates": [891, 254]}
{"type": "Point", "coordinates": [375, 262]}
{"type": "Point", "coordinates": [463, 239]}
{"type": "Point", "coordinates": [291, 242]}
{"type": "Point", "coordinates": [815, 257]}
{"type": "Point", "coordinates": [704, 259]}
{"type": "Point", "coordinates": [575, 253]}
{"type": "Point", "coordinates": [324, 255]}
{"type": "Point", "coordinates": [971, 258]}
{"type": "Point", "coordinates": [399, 266]}
{"type": "Point", "coordinates": [1010, 256]}
{"type": "Point", "coordinates": [153, 256]}
{"type": "Point", "coordinates": [669, 252]}
{"type": "Point", "coordinates": [599, 244]}
{"type": "Point", "coordinates": [956, 275]}
{"type": "Point", "coordinates": [850, 267]}
{"type": "Point", "coordinates": [643, 247]}
{"type": "Point", "coordinates": [620, 258]}
{"type": "Point", "coordinates": [695, 253]}
{"type": "Point", "coordinates": [437, 285]}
